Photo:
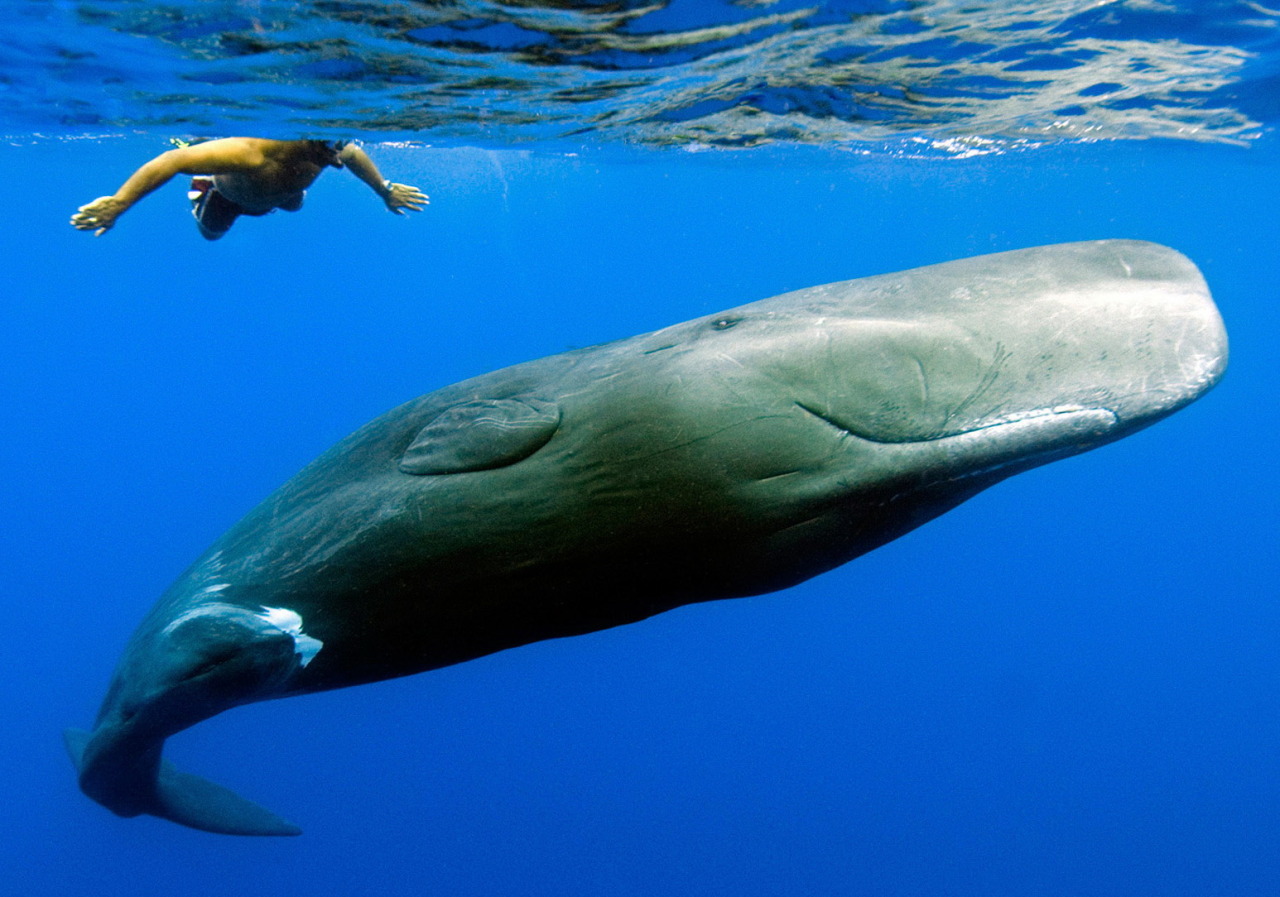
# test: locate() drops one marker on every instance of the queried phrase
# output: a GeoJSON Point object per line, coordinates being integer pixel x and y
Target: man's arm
{"type": "Point", "coordinates": [213, 157]}
{"type": "Point", "coordinates": [398, 197]}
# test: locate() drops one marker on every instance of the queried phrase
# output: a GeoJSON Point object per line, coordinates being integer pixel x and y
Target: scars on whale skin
{"type": "Point", "coordinates": [726, 456]}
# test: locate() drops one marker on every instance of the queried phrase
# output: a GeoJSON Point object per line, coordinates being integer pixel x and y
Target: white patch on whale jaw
{"type": "Point", "coordinates": [290, 623]}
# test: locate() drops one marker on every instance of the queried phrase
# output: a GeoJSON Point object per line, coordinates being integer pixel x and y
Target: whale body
{"type": "Point", "coordinates": [730, 455]}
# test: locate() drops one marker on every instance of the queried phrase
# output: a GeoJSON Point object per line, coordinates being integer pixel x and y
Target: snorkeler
{"type": "Point", "coordinates": [237, 176]}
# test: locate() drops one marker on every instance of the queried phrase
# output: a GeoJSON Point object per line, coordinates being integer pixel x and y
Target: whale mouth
{"type": "Point", "coordinates": [1041, 420]}
{"type": "Point", "coordinates": [1026, 440]}
{"type": "Point", "coordinates": [1045, 420]}
{"type": "Point", "coordinates": [1002, 445]}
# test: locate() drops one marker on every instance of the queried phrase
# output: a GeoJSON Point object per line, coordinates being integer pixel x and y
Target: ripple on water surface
{"type": "Point", "coordinates": [959, 76]}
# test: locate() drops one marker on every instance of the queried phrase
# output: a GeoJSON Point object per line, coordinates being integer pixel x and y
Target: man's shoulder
{"type": "Point", "coordinates": [271, 149]}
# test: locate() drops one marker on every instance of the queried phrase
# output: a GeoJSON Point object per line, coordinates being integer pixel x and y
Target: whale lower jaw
{"type": "Point", "coordinates": [1010, 443]}
{"type": "Point", "coordinates": [1029, 440]}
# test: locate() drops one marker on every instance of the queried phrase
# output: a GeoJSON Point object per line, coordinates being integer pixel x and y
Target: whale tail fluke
{"type": "Point", "coordinates": [189, 799]}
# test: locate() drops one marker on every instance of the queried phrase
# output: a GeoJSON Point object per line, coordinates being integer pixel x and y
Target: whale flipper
{"type": "Point", "coordinates": [481, 435]}
{"type": "Point", "coordinates": [196, 802]}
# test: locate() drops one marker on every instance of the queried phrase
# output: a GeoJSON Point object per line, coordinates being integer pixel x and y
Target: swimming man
{"type": "Point", "coordinates": [238, 176]}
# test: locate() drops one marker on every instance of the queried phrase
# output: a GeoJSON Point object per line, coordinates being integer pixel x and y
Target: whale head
{"type": "Point", "coordinates": [792, 434]}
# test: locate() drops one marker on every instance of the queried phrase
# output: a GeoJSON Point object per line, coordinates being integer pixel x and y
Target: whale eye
{"type": "Point", "coordinates": [724, 322]}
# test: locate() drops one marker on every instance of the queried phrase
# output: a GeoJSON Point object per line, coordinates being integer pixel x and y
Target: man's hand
{"type": "Point", "coordinates": [100, 215]}
{"type": "Point", "coordinates": [403, 196]}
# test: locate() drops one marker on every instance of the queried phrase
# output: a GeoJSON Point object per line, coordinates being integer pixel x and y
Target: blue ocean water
{"type": "Point", "coordinates": [1066, 686]}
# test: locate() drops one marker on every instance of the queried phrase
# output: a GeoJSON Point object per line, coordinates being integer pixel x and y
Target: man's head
{"type": "Point", "coordinates": [326, 152]}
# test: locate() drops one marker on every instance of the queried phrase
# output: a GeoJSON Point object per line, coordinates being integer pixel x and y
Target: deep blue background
{"type": "Point", "coordinates": [1067, 686]}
